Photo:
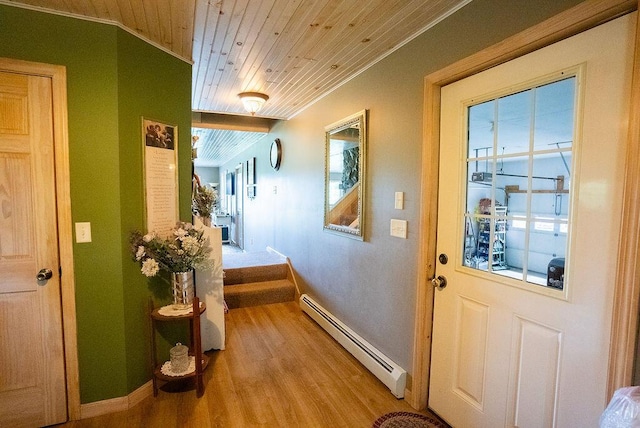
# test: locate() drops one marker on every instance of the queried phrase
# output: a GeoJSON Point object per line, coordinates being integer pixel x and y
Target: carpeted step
{"type": "Point", "coordinates": [244, 275]}
{"type": "Point", "coordinates": [259, 293]}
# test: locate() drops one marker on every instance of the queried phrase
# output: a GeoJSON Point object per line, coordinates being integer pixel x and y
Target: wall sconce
{"type": "Point", "coordinates": [252, 101]}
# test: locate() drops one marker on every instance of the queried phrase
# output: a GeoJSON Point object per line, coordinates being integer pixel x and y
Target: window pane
{"type": "Point", "coordinates": [512, 181]}
{"type": "Point", "coordinates": [554, 115]}
{"type": "Point", "coordinates": [514, 123]}
{"type": "Point", "coordinates": [481, 129]}
{"type": "Point", "coordinates": [546, 252]}
{"type": "Point", "coordinates": [485, 238]}
{"type": "Point", "coordinates": [479, 183]}
{"type": "Point", "coordinates": [515, 246]}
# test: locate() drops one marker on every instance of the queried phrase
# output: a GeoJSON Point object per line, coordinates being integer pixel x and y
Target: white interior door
{"type": "Point", "coordinates": [517, 339]}
{"type": "Point", "coordinates": [32, 374]}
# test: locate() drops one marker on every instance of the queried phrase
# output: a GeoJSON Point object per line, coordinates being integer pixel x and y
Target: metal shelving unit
{"type": "Point", "coordinates": [496, 249]}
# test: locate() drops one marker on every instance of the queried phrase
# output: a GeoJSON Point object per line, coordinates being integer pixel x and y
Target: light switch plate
{"type": "Point", "coordinates": [83, 232]}
{"type": "Point", "coordinates": [399, 228]}
{"type": "Point", "coordinates": [399, 200]}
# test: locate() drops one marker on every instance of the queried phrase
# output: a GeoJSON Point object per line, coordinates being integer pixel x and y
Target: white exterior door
{"type": "Point", "coordinates": [529, 216]}
{"type": "Point", "coordinates": [32, 371]}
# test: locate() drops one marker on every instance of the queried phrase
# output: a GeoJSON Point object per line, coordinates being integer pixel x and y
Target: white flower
{"type": "Point", "coordinates": [140, 253]}
{"type": "Point", "coordinates": [185, 249]}
{"type": "Point", "coordinates": [191, 245]}
{"type": "Point", "coordinates": [150, 267]}
{"type": "Point", "coordinates": [180, 233]}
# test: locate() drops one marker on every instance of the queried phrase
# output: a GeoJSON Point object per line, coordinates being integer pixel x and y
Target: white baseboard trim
{"type": "Point", "coordinates": [112, 405]}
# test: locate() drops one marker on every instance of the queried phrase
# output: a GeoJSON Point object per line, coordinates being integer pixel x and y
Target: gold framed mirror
{"type": "Point", "coordinates": [344, 185]}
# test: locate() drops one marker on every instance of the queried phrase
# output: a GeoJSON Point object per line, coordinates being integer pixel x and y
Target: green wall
{"type": "Point", "coordinates": [152, 85]}
{"type": "Point", "coordinates": [113, 79]}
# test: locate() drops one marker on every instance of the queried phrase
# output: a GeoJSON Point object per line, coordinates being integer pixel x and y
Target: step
{"type": "Point", "coordinates": [258, 258]}
{"type": "Point", "coordinates": [259, 293]}
{"type": "Point", "coordinates": [244, 275]}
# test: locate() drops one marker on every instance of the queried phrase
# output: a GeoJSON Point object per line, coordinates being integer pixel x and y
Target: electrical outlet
{"type": "Point", "coordinates": [83, 232]}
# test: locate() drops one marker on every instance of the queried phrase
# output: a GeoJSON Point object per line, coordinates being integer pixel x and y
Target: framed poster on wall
{"type": "Point", "coordinates": [160, 142]}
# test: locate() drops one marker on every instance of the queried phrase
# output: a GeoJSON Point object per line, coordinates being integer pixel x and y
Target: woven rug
{"type": "Point", "coordinates": [407, 420]}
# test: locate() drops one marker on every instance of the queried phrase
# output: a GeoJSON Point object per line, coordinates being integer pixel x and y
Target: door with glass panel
{"type": "Point", "coordinates": [531, 166]}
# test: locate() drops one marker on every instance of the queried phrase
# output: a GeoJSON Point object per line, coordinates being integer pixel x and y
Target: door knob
{"type": "Point", "coordinates": [44, 274]}
{"type": "Point", "coordinates": [439, 282]}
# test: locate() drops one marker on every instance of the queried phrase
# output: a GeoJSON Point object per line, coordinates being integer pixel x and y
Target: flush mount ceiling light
{"type": "Point", "coordinates": [252, 101]}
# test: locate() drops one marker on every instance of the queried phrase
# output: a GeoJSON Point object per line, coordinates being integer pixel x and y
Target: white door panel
{"type": "Point", "coordinates": [512, 352]}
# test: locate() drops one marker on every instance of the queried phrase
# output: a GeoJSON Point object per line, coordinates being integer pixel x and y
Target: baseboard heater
{"type": "Point", "coordinates": [389, 373]}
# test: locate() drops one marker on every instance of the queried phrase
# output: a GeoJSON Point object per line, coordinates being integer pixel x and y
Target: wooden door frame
{"type": "Point", "coordinates": [580, 18]}
{"type": "Point", "coordinates": [58, 76]}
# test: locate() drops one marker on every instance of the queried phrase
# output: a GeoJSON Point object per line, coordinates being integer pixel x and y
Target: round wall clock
{"type": "Point", "coordinates": [276, 154]}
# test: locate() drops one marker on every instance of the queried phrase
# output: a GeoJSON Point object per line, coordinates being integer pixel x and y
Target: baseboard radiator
{"type": "Point", "coordinates": [389, 373]}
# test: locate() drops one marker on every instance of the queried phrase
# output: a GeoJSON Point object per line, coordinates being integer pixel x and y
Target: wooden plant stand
{"type": "Point", "coordinates": [195, 348]}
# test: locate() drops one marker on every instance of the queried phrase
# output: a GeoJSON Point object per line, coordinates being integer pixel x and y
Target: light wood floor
{"type": "Point", "coordinates": [279, 370]}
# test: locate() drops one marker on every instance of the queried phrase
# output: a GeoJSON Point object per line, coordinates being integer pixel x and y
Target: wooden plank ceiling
{"type": "Point", "coordinates": [295, 51]}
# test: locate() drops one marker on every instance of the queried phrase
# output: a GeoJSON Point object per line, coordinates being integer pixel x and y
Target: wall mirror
{"type": "Point", "coordinates": [344, 187]}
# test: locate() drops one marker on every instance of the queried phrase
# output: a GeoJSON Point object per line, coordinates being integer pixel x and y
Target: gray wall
{"type": "Point", "coordinates": [370, 285]}
{"type": "Point", "coordinates": [208, 174]}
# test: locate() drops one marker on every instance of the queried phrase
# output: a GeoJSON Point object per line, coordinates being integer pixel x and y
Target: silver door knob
{"type": "Point", "coordinates": [439, 282]}
{"type": "Point", "coordinates": [44, 274]}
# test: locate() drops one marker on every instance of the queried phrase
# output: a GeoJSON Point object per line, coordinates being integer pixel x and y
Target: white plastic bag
{"type": "Point", "coordinates": [623, 410]}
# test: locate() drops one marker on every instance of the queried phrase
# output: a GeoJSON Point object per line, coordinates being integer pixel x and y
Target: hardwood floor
{"type": "Point", "coordinates": [280, 369]}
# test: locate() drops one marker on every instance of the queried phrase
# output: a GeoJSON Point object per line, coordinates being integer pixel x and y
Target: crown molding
{"type": "Point", "coordinates": [99, 21]}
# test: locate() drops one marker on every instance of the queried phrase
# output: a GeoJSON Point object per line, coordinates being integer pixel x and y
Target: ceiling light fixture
{"type": "Point", "coordinates": [252, 101]}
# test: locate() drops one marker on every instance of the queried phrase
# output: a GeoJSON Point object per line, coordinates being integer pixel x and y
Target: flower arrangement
{"type": "Point", "coordinates": [185, 249]}
{"type": "Point", "coordinates": [204, 200]}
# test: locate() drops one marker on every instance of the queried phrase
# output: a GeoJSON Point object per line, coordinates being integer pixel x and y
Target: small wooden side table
{"type": "Point", "coordinates": [195, 348]}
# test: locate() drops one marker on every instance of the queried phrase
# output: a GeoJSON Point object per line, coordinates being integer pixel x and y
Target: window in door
{"type": "Point", "coordinates": [519, 155]}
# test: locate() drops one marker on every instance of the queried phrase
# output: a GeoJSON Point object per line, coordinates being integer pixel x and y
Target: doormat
{"type": "Point", "coordinates": [407, 420]}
